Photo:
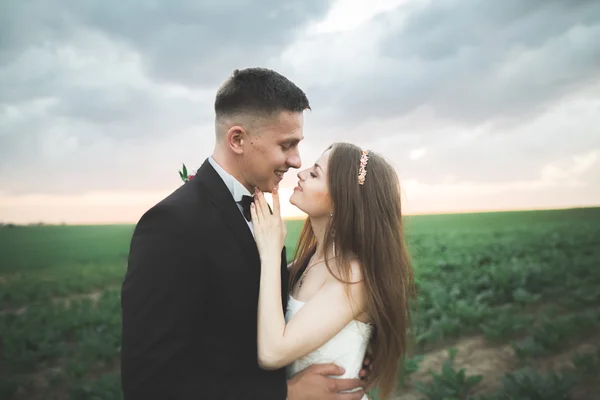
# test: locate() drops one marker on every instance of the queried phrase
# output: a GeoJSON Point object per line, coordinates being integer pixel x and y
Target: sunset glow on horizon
{"type": "Point", "coordinates": [127, 207]}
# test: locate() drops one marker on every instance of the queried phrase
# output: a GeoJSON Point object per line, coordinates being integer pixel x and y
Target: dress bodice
{"type": "Point", "coordinates": [346, 349]}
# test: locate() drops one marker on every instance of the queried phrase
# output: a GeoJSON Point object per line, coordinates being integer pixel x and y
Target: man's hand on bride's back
{"type": "Point", "coordinates": [314, 383]}
{"type": "Point", "coordinates": [366, 368]}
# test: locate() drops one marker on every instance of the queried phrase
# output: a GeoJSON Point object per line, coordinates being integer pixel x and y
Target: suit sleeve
{"type": "Point", "coordinates": [163, 300]}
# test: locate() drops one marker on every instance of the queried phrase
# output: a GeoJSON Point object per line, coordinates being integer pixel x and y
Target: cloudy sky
{"type": "Point", "coordinates": [480, 105]}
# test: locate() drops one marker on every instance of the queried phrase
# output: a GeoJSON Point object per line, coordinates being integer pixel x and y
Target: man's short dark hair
{"type": "Point", "coordinates": [259, 91]}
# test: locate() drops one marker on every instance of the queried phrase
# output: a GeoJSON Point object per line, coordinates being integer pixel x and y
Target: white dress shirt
{"type": "Point", "coordinates": [236, 189]}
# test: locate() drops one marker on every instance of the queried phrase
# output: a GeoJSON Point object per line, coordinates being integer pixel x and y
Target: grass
{"type": "Point", "coordinates": [530, 280]}
{"type": "Point", "coordinates": [42, 262]}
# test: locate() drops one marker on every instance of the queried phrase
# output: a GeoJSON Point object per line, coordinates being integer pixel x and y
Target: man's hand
{"type": "Point", "coordinates": [366, 368]}
{"type": "Point", "coordinates": [314, 383]}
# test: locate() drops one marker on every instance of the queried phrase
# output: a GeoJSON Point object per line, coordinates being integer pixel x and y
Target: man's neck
{"type": "Point", "coordinates": [230, 167]}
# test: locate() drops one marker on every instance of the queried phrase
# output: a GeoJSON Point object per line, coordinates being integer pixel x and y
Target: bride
{"type": "Point", "coordinates": [351, 278]}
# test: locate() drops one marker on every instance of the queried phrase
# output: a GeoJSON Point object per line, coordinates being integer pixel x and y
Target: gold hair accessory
{"type": "Point", "coordinates": [362, 172]}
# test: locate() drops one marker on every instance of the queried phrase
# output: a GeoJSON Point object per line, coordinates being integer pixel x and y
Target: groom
{"type": "Point", "coordinates": [190, 294]}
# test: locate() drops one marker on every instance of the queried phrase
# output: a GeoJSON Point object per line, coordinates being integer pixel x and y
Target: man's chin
{"type": "Point", "coordinates": [266, 188]}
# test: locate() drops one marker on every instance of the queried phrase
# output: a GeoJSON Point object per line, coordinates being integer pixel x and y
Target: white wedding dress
{"type": "Point", "coordinates": [346, 349]}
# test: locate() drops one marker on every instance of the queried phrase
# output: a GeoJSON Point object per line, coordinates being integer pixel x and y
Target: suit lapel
{"type": "Point", "coordinates": [223, 201]}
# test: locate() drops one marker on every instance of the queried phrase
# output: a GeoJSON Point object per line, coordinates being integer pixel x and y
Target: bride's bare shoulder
{"type": "Point", "coordinates": [351, 288]}
{"type": "Point", "coordinates": [354, 270]}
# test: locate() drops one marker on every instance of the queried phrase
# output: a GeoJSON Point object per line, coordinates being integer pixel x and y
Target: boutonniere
{"type": "Point", "coordinates": [183, 174]}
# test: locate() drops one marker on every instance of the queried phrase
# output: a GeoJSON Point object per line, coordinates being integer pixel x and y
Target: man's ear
{"type": "Point", "coordinates": [236, 135]}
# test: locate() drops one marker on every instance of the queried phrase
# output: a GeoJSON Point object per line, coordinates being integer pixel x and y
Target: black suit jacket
{"type": "Point", "coordinates": [189, 301]}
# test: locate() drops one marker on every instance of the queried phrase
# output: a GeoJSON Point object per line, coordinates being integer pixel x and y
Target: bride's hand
{"type": "Point", "coordinates": [269, 228]}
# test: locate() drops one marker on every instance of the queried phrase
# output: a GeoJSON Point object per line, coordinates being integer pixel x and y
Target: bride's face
{"type": "Point", "coordinates": [312, 193]}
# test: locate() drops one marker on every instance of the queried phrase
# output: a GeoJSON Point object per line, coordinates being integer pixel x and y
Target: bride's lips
{"type": "Point", "coordinates": [298, 187]}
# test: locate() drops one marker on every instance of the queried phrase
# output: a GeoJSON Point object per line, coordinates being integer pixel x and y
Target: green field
{"type": "Point", "coordinates": [509, 307]}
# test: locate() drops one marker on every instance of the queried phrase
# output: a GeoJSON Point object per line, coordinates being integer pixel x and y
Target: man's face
{"type": "Point", "coordinates": [272, 150]}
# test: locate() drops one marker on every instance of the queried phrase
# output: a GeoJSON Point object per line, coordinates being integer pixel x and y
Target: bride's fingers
{"type": "Point", "coordinates": [254, 214]}
{"type": "Point", "coordinates": [264, 206]}
{"type": "Point", "coordinates": [258, 203]}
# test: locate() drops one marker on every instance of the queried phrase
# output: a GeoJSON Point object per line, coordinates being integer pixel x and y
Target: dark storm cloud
{"type": "Point", "coordinates": [187, 42]}
{"type": "Point", "coordinates": [475, 60]}
{"type": "Point", "coordinates": [78, 76]}
{"type": "Point", "coordinates": [194, 42]}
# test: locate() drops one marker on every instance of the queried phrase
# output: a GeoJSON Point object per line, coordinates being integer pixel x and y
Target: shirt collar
{"type": "Point", "coordinates": [236, 189]}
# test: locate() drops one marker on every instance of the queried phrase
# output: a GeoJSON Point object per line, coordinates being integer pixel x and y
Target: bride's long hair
{"type": "Point", "coordinates": [367, 226]}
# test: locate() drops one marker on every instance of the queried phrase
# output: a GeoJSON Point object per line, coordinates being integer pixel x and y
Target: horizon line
{"type": "Point", "coordinates": [299, 218]}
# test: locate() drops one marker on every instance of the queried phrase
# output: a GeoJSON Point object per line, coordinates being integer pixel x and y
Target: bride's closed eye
{"type": "Point", "coordinates": [313, 175]}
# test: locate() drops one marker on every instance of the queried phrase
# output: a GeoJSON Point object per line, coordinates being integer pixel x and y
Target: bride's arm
{"type": "Point", "coordinates": [320, 319]}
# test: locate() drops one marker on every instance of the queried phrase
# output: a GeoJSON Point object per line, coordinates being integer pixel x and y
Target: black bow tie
{"type": "Point", "coordinates": [245, 202]}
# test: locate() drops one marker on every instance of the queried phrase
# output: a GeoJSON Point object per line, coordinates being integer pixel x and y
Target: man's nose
{"type": "Point", "coordinates": [294, 160]}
